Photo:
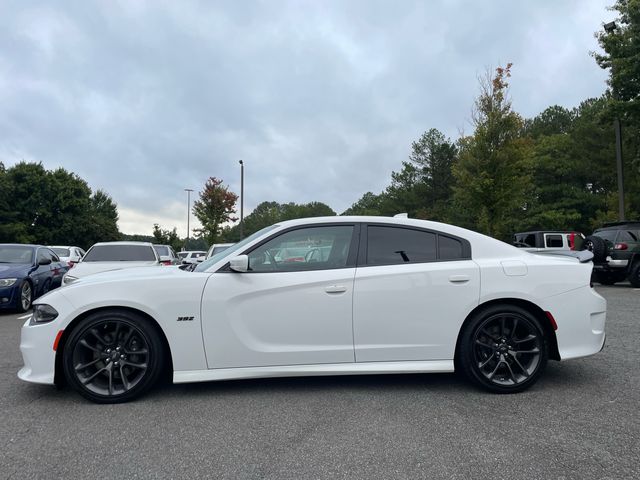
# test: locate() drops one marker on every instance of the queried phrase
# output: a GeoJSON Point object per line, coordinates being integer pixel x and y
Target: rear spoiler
{"type": "Point", "coordinates": [583, 256]}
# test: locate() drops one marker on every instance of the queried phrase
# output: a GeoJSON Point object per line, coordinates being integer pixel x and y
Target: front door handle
{"type": "Point", "coordinates": [335, 289]}
{"type": "Point", "coordinates": [459, 278]}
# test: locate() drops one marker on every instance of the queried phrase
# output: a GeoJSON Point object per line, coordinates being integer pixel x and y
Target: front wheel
{"type": "Point", "coordinates": [503, 349]}
{"type": "Point", "coordinates": [113, 357]}
{"type": "Point", "coordinates": [26, 296]}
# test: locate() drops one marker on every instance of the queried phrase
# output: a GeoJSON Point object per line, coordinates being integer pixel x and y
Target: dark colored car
{"type": "Point", "coordinates": [27, 272]}
{"type": "Point", "coordinates": [616, 251]}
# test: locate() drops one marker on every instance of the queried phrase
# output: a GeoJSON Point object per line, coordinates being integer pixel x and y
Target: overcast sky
{"type": "Point", "coordinates": [321, 99]}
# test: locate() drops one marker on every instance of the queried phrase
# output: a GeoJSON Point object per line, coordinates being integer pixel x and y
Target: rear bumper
{"type": "Point", "coordinates": [581, 317]}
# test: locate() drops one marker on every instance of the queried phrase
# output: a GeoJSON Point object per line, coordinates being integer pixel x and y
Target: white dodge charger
{"type": "Point", "coordinates": [321, 296]}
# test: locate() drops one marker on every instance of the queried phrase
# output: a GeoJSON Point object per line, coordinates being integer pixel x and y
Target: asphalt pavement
{"type": "Point", "coordinates": [580, 421]}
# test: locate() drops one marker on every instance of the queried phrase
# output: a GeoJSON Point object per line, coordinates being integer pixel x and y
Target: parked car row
{"type": "Point", "coordinates": [29, 271]}
{"type": "Point", "coordinates": [615, 247]}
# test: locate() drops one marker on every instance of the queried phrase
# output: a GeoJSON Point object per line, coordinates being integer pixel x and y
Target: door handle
{"type": "Point", "coordinates": [335, 289]}
{"type": "Point", "coordinates": [459, 278]}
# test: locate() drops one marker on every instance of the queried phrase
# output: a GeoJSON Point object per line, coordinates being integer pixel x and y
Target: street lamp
{"type": "Point", "coordinates": [188, 190]}
{"type": "Point", "coordinates": [241, 199]}
{"type": "Point", "coordinates": [610, 28]}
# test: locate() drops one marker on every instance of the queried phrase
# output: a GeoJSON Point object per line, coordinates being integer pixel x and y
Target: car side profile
{"type": "Point", "coordinates": [322, 296]}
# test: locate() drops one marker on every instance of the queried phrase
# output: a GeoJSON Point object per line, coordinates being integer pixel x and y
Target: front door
{"type": "Point", "coordinates": [294, 306]}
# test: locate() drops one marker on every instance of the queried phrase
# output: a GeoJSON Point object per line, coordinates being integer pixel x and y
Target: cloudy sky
{"type": "Point", "coordinates": [321, 99]}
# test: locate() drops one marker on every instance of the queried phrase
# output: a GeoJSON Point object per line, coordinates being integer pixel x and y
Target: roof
{"type": "Point", "coordinates": [22, 245]}
{"type": "Point", "coordinates": [146, 244]}
{"type": "Point", "coordinates": [619, 224]}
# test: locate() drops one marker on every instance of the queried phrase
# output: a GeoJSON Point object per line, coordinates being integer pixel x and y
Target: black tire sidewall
{"type": "Point", "coordinates": [466, 357]}
{"type": "Point", "coordinates": [634, 276]}
{"type": "Point", "coordinates": [155, 361]}
{"type": "Point", "coordinates": [598, 247]}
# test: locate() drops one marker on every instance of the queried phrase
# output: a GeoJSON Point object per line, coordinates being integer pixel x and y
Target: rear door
{"type": "Point", "coordinates": [413, 289]}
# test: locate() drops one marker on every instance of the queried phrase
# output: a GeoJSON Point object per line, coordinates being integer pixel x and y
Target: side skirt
{"type": "Point", "coordinates": [365, 368]}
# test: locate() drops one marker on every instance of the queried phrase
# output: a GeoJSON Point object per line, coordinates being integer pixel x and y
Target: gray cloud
{"type": "Point", "coordinates": [320, 99]}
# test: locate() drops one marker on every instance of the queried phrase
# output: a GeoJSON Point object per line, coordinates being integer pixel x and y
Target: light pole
{"type": "Point", "coordinates": [241, 199]}
{"type": "Point", "coordinates": [188, 190]}
{"type": "Point", "coordinates": [610, 28]}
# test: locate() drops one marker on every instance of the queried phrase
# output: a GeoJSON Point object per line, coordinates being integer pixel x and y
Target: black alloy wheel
{"type": "Point", "coordinates": [504, 349]}
{"type": "Point", "coordinates": [113, 357]}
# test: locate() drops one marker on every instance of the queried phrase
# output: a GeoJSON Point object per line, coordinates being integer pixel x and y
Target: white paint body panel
{"type": "Point", "coordinates": [401, 318]}
{"type": "Point", "coordinates": [281, 318]}
{"type": "Point", "coordinates": [414, 311]}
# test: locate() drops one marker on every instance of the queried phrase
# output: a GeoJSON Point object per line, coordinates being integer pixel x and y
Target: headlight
{"type": "Point", "coordinates": [67, 279]}
{"type": "Point", "coordinates": [43, 313]}
{"type": "Point", "coordinates": [7, 282]}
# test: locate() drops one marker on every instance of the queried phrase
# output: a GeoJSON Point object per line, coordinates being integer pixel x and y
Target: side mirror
{"type": "Point", "coordinates": [44, 261]}
{"type": "Point", "coordinates": [239, 263]}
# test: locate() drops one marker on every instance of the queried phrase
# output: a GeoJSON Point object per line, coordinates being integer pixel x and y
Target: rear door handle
{"type": "Point", "coordinates": [459, 278]}
{"type": "Point", "coordinates": [335, 289]}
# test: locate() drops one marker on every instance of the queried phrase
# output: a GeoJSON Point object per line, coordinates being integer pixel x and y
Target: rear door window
{"type": "Point", "coordinates": [395, 245]}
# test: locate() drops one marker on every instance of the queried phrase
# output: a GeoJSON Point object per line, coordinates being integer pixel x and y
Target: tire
{"type": "Point", "coordinates": [25, 296]}
{"type": "Point", "coordinates": [597, 246]}
{"type": "Point", "coordinates": [503, 349]}
{"type": "Point", "coordinates": [113, 357]}
{"type": "Point", "coordinates": [607, 278]}
{"type": "Point", "coordinates": [634, 275]}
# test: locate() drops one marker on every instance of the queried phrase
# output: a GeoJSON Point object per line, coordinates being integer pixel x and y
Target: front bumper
{"type": "Point", "coordinates": [36, 346]}
{"type": "Point", "coordinates": [9, 296]}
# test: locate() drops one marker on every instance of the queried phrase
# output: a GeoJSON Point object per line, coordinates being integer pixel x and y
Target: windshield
{"type": "Point", "coordinates": [16, 254]}
{"type": "Point", "coordinates": [233, 248]}
{"type": "Point", "coordinates": [120, 253]}
{"type": "Point", "coordinates": [62, 252]}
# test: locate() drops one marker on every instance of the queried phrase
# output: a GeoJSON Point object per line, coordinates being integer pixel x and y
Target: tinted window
{"type": "Point", "coordinates": [393, 245]}
{"type": "Point", "coordinates": [63, 252]}
{"type": "Point", "coordinates": [449, 248]}
{"type": "Point", "coordinates": [554, 240]}
{"type": "Point", "coordinates": [528, 240]}
{"type": "Point", "coordinates": [609, 235]}
{"type": "Point", "coordinates": [313, 248]}
{"type": "Point", "coordinates": [183, 254]}
{"type": "Point", "coordinates": [119, 253]}
{"type": "Point", "coordinates": [51, 254]}
{"type": "Point", "coordinates": [627, 236]}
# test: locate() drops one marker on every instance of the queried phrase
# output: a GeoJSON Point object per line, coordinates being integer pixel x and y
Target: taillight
{"type": "Point", "coordinates": [572, 241]}
{"type": "Point", "coordinates": [620, 246]}
{"type": "Point", "coordinates": [165, 262]}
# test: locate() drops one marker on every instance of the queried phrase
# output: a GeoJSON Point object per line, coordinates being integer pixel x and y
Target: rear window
{"type": "Point", "coordinates": [62, 252]}
{"type": "Point", "coordinates": [162, 250]}
{"type": "Point", "coordinates": [183, 254]}
{"type": "Point", "coordinates": [609, 235]}
{"type": "Point", "coordinates": [120, 253]}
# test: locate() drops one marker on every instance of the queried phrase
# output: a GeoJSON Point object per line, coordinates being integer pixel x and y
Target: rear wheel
{"type": "Point", "coordinates": [113, 357]}
{"type": "Point", "coordinates": [634, 275]}
{"type": "Point", "coordinates": [503, 349]}
{"type": "Point", "coordinates": [608, 278]}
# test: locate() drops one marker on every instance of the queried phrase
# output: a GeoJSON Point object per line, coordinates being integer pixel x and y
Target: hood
{"type": "Point", "coordinates": [82, 269]}
{"type": "Point", "coordinates": [132, 273]}
{"type": "Point", "coordinates": [12, 270]}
